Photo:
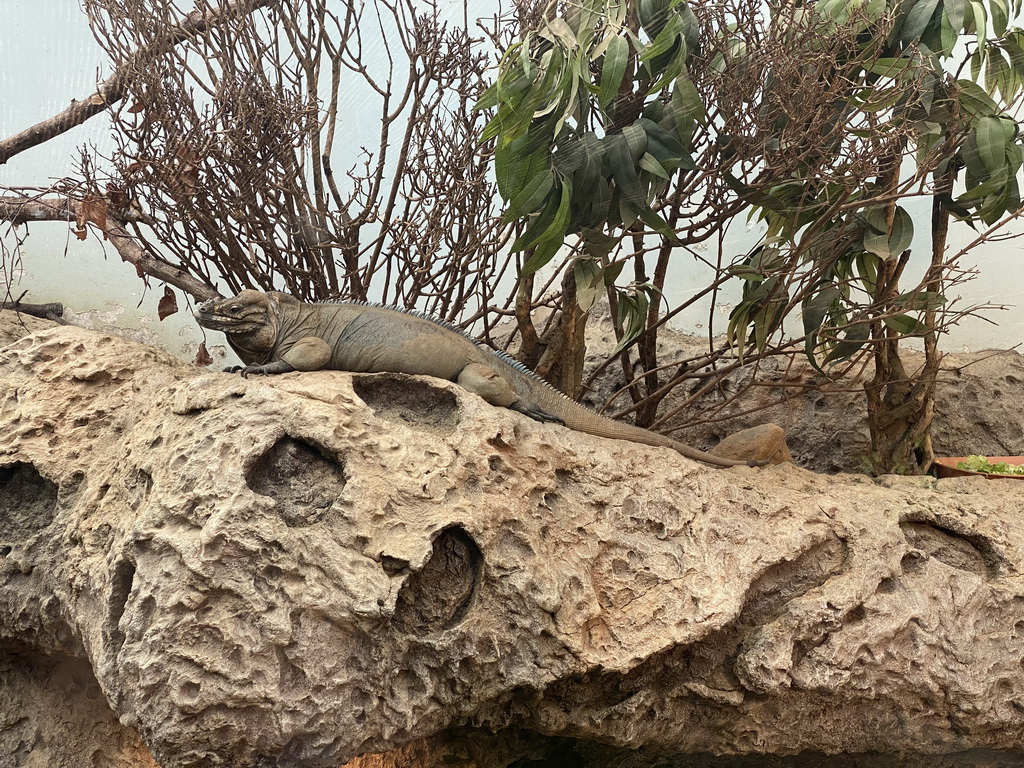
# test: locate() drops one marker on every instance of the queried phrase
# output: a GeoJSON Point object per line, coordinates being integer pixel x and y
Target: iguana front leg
{"type": "Point", "coordinates": [267, 369]}
{"type": "Point", "coordinates": [310, 353]}
{"type": "Point", "coordinates": [485, 381]}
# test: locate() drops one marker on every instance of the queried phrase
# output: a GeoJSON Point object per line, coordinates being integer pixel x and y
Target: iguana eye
{"type": "Point", "coordinates": [234, 309]}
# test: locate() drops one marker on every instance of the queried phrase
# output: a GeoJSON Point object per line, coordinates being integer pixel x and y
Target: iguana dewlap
{"type": "Point", "coordinates": [276, 333]}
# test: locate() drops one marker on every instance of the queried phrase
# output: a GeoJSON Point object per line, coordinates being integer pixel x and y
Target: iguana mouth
{"type": "Point", "coordinates": [220, 322]}
{"type": "Point", "coordinates": [217, 316]}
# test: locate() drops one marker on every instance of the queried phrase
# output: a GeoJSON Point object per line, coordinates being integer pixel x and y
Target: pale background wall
{"type": "Point", "coordinates": [48, 57]}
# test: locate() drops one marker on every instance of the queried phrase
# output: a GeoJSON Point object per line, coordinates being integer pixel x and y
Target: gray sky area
{"type": "Point", "coordinates": [48, 57]}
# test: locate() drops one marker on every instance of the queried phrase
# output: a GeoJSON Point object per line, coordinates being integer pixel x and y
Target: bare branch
{"type": "Point", "coordinates": [114, 88]}
{"type": "Point", "coordinates": [21, 210]}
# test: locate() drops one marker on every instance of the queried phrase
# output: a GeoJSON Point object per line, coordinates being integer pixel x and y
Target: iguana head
{"type": "Point", "coordinates": [244, 313]}
{"type": "Point", "coordinates": [250, 320]}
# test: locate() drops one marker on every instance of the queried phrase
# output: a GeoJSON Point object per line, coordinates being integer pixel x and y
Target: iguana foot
{"type": "Point", "coordinates": [535, 412]}
{"type": "Point", "coordinates": [278, 366]}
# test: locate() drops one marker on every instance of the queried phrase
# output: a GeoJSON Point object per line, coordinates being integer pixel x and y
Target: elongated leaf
{"type": "Point", "coordinates": [1000, 16]}
{"type": "Point", "coordinates": [653, 15]}
{"type": "Point", "coordinates": [854, 339]}
{"type": "Point", "coordinates": [545, 251]}
{"type": "Point", "coordinates": [920, 300]}
{"type": "Point", "coordinates": [993, 134]}
{"type": "Point", "coordinates": [636, 140]}
{"type": "Point", "coordinates": [541, 225]}
{"type": "Point", "coordinates": [817, 306]}
{"type": "Point", "coordinates": [904, 325]}
{"type": "Point", "coordinates": [652, 219]}
{"type": "Point", "coordinates": [686, 102]}
{"type": "Point", "coordinates": [589, 282]}
{"type": "Point", "coordinates": [598, 245]}
{"type": "Point", "coordinates": [632, 317]}
{"type": "Point", "coordinates": [551, 240]}
{"type": "Point", "coordinates": [814, 310]}
{"type": "Point", "coordinates": [651, 165]}
{"type": "Point", "coordinates": [612, 70]}
{"type": "Point", "coordinates": [955, 10]}
{"type": "Point", "coordinates": [888, 245]}
{"type": "Point", "coordinates": [920, 14]}
{"type": "Point", "coordinates": [997, 73]}
{"type": "Point", "coordinates": [620, 165]}
{"type": "Point", "coordinates": [515, 165]}
{"type": "Point", "coordinates": [974, 100]}
{"type": "Point", "coordinates": [530, 198]}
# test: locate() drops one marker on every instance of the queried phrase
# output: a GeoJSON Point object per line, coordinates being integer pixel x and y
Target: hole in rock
{"type": "Point", "coordinates": [439, 595]}
{"type": "Point", "coordinates": [28, 502]}
{"type": "Point", "coordinates": [120, 591]}
{"type": "Point", "coordinates": [788, 580]}
{"type": "Point", "coordinates": [302, 481]}
{"type": "Point", "coordinates": [409, 400]}
{"type": "Point", "coordinates": [967, 553]}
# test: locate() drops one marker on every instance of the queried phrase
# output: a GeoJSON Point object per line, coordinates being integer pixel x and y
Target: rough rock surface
{"type": "Point", "coordinates": [302, 570]}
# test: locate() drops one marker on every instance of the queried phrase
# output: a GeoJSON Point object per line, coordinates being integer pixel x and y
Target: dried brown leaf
{"type": "Point", "coordinates": [168, 304]}
{"type": "Point", "coordinates": [203, 358]}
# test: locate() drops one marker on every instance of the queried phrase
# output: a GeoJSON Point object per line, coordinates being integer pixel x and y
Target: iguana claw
{"type": "Point", "coordinates": [535, 412]}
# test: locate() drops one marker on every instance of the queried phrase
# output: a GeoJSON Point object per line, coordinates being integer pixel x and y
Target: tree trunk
{"type": "Point", "coordinates": [901, 408]}
{"type": "Point", "coordinates": [565, 345]}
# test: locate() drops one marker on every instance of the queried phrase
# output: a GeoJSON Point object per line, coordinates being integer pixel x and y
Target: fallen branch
{"type": "Point", "coordinates": [53, 311]}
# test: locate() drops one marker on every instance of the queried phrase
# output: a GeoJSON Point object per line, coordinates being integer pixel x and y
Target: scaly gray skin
{"type": "Point", "coordinates": [276, 333]}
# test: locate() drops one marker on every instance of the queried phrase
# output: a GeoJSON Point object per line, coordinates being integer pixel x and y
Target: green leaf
{"type": "Point", "coordinates": [955, 11]}
{"type": "Point", "coordinates": [920, 300]}
{"type": "Point", "coordinates": [666, 149]}
{"type": "Point", "coordinates": [530, 197]}
{"type": "Point", "coordinates": [997, 72]}
{"type": "Point", "coordinates": [917, 20]}
{"type": "Point", "coordinates": [589, 282]}
{"type": "Point", "coordinates": [667, 39]}
{"type": "Point", "coordinates": [687, 105]}
{"type": "Point", "coordinates": [904, 325]}
{"type": "Point", "coordinates": [993, 134]}
{"type": "Point", "coordinates": [636, 140]}
{"type": "Point", "coordinates": [651, 165]}
{"type": "Point", "coordinates": [620, 164]}
{"type": "Point", "coordinates": [1000, 16]}
{"type": "Point", "coordinates": [545, 251]}
{"type": "Point", "coordinates": [633, 306]}
{"type": "Point", "coordinates": [816, 307]}
{"type": "Point", "coordinates": [515, 165]}
{"type": "Point", "coordinates": [814, 310]}
{"type": "Point", "coordinates": [552, 238]}
{"type": "Point", "coordinates": [883, 243]}
{"type": "Point", "coordinates": [653, 15]}
{"type": "Point", "coordinates": [652, 219]}
{"type": "Point", "coordinates": [599, 244]}
{"type": "Point", "coordinates": [542, 224]}
{"type": "Point", "coordinates": [612, 70]}
{"type": "Point", "coordinates": [856, 336]}
{"type": "Point", "coordinates": [974, 100]}
{"type": "Point", "coordinates": [489, 98]}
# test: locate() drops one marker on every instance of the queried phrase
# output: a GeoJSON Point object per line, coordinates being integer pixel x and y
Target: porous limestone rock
{"type": "Point", "coordinates": [301, 570]}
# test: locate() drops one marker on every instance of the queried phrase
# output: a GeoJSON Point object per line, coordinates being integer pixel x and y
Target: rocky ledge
{"type": "Point", "coordinates": [201, 570]}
